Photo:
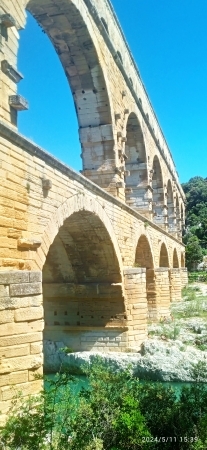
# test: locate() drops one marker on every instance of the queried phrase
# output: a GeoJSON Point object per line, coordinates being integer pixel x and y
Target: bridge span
{"type": "Point", "coordinates": [86, 259]}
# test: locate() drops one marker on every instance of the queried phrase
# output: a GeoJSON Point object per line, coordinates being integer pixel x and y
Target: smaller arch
{"type": "Point", "coordinates": [177, 209]}
{"type": "Point", "coordinates": [164, 258]}
{"type": "Point", "coordinates": [175, 259]}
{"type": "Point", "coordinates": [158, 192]}
{"type": "Point", "coordinates": [170, 207]}
{"type": "Point", "coordinates": [182, 259]}
{"type": "Point", "coordinates": [182, 215]}
{"type": "Point", "coordinates": [136, 166]}
{"type": "Point", "coordinates": [144, 257]}
{"type": "Point", "coordinates": [105, 25]}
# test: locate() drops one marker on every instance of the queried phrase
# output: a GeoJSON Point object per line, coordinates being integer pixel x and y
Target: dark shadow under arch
{"type": "Point", "coordinates": [144, 259]}
{"type": "Point", "coordinates": [158, 193]}
{"type": "Point", "coordinates": [144, 256]}
{"type": "Point", "coordinates": [170, 208]}
{"type": "Point", "coordinates": [175, 259]}
{"type": "Point", "coordinates": [164, 259]}
{"type": "Point", "coordinates": [182, 260]}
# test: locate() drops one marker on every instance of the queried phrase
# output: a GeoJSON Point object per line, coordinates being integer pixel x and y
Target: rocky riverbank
{"type": "Point", "coordinates": [157, 360]}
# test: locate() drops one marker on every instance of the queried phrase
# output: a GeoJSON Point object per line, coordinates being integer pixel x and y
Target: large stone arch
{"type": "Point", "coordinates": [79, 202]}
{"type": "Point", "coordinates": [82, 279]}
{"type": "Point", "coordinates": [158, 193]}
{"type": "Point", "coordinates": [136, 166]}
{"type": "Point", "coordinates": [70, 29]}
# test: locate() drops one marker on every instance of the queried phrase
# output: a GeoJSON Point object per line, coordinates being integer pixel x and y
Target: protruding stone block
{"type": "Point", "coordinates": [17, 290]}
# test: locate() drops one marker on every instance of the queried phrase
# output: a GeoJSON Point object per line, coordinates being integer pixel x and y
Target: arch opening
{"type": "Point", "coordinates": [175, 259]}
{"type": "Point", "coordinates": [71, 33]}
{"type": "Point", "coordinates": [137, 194]}
{"type": "Point", "coordinates": [182, 216]}
{"type": "Point", "coordinates": [170, 208]}
{"type": "Point", "coordinates": [158, 193]}
{"type": "Point", "coordinates": [144, 259]}
{"type": "Point", "coordinates": [164, 259]}
{"type": "Point", "coordinates": [178, 218]}
{"type": "Point", "coordinates": [82, 285]}
{"type": "Point", "coordinates": [182, 260]}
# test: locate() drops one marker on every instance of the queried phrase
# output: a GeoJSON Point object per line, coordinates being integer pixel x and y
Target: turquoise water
{"type": "Point", "coordinates": [81, 381]}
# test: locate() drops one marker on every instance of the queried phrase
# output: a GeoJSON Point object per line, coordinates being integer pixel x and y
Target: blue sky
{"type": "Point", "coordinates": [168, 39]}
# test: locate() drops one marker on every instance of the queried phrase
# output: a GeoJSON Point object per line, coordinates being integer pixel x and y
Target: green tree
{"type": "Point", "coordinates": [193, 251]}
{"type": "Point", "coordinates": [195, 236]}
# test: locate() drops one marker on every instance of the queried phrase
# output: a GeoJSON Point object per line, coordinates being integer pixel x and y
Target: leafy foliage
{"type": "Point", "coordinates": [115, 412]}
{"type": "Point", "coordinates": [195, 236]}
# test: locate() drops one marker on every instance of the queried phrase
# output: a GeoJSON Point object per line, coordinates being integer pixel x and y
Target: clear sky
{"type": "Point", "coordinates": [168, 39]}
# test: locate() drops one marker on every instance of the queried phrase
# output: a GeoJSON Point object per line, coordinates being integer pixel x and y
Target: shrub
{"type": "Point", "coordinates": [115, 412]}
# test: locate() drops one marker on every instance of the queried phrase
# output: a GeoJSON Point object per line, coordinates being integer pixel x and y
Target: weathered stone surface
{"type": "Point", "coordinates": [27, 337]}
{"type": "Point", "coordinates": [20, 363]}
{"type": "Point", "coordinates": [14, 277]}
{"type": "Point", "coordinates": [25, 314]}
{"type": "Point", "coordinates": [157, 361]}
{"type": "Point", "coordinates": [25, 289]}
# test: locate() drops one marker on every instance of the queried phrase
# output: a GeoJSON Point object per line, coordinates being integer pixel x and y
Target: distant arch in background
{"type": "Point", "coordinates": [158, 192]}
{"type": "Point", "coordinates": [177, 208]}
{"type": "Point", "coordinates": [170, 207]}
{"type": "Point", "coordinates": [175, 259]}
{"type": "Point", "coordinates": [182, 260]}
{"type": "Point", "coordinates": [144, 257]}
{"type": "Point", "coordinates": [182, 216]}
{"type": "Point", "coordinates": [164, 258]}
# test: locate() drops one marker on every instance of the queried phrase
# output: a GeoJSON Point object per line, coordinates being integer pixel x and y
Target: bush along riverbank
{"type": "Point", "coordinates": [114, 412]}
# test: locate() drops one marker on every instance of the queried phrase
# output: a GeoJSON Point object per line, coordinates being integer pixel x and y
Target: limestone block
{"type": "Point", "coordinates": [14, 277]}
{"type": "Point", "coordinates": [35, 277]}
{"type": "Point", "coordinates": [9, 329]}
{"type": "Point", "coordinates": [20, 302]}
{"type": "Point", "coordinates": [20, 363]}
{"type": "Point", "coordinates": [32, 387]}
{"type": "Point", "coordinates": [6, 316]}
{"type": "Point", "coordinates": [20, 339]}
{"type": "Point", "coordinates": [34, 373]}
{"type": "Point", "coordinates": [35, 348]}
{"type": "Point", "coordinates": [25, 289]}
{"type": "Point", "coordinates": [25, 314]}
{"type": "Point", "coordinates": [4, 291]}
{"type": "Point", "coordinates": [14, 351]}
{"type": "Point", "coordinates": [14, 378]}
{"type": "Point", "coordinates": [28, 243]}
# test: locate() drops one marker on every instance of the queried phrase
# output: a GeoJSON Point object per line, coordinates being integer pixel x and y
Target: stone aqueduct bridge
{"type": "Point", "coordinates": [95, 254]}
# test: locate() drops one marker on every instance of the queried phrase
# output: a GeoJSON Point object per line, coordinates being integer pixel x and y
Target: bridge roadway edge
{"type": "Point", "coordinates": [33, 149]}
